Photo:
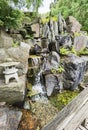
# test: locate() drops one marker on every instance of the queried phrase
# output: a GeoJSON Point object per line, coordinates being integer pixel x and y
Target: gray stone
{"type": "Point", "coordinates": [53, 82]}
{"type": "Point", "coordinates": [80, 42]}
{"type": "Point", "coordinates": [3, 55]}
{"type": "Point", "coordinates": [30, 42]}
{"type": "Point", "coordinates": [85, 58]}
{"type": "Point", "coordinates": [20, 54]}
{"type": "Point", "coordinates": [55, 60]}
{"type": "Point", "coordinates": [73, 25]}
{"type": "Point", "coordinates": [5, 40]}
{"type": "Point", "coordinates": [74, 72]}
{"type": "Point", "coordinates": [53, 46]}
{"type": "Point", "coordinates": [55, 27]}
{"type": "Point", "coordinates": [26, 105]}
{"type": "Point", "coordinates": [24, 45]}
{"type": "Point", "coordinates": [44, 43]}
{"type": "Point", "coordinates": [64, 41]}
{"type": "Point", "coordinates": [46, 31]}
{"type": "Point", "coordinates": [13, 92]}
{"type": "Point", "coordinates": [52, 30]}
{"type": "Point", "coordinates": [51, 61]}
{"type": "Point", "coordinates": [9, 118]}
{"type": "Point", "coordinates": [35, 28]}
{"type": "Point", "coordinates": [17, 37]}
{"type": "Point", "coordinates": [61, 24]}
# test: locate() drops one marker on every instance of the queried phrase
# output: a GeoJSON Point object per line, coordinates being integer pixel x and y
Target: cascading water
{"type": "Point", "coordinates": [37, 86]}
{"type": "Point", "coordinates": [40, 88]}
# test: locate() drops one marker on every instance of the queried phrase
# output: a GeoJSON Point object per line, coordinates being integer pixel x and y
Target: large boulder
{"type": "Point", "coordinates": [54, 60]}
{"type": "Point", "coordinates": [44, 42]}
{"type": "Point", "coordinates": [74, 72]}
{"type": "Point", "coordinates": [20, 54]}
{"type": "Point", "coordinates": [64, 40]}
{"type": "Point", "coordinates": [80, 42]}
{"type": "Point", "coordinates": [9, 118]}
{"type": "Point", "coordinates": [5, 40]}
{"type": "Point", "coordinates": [51, 61]}
{"type": "Point", "coordinates": [36, 28]}
{"type": "Point", "coordinates": [53, 46]}
{"type": "Point", "coordinates": [53, 82]}
{"type": "Point", "coordinates": [13, 92]}
{"type": "Point", "coordinates": [3, 55]}
{"type": "Point", "coordinates": [73, 25]}
{"type": "Point", "coordinates": [36, 49]}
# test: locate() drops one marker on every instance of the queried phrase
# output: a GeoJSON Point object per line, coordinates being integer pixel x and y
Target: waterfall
{"type": "Point", "coordinates": [35, 61]}
{"type": "Point", "coordinates": [40, 88]}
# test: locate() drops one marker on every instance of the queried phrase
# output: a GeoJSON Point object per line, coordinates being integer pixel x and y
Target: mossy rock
{"type": "Point", "coordinates": [62, 99]}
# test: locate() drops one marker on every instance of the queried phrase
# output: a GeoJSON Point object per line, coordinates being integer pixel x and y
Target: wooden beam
{"type": "Point", "coordinates": [66, 114]}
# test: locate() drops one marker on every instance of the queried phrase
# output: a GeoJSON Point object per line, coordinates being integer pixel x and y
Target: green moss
{"type": "Point", "coordinates": [83, 52]}
{"type": "Point", "coordinates": [62, 99]}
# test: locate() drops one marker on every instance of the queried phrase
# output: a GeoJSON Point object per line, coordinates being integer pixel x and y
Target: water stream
{"type": "Point", "coordinates": [38, 85]}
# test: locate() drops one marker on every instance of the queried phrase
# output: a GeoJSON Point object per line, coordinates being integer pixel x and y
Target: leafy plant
{"type": "Point", "coordinates": [76, 8]}
{"type": "Point", "coordinates": [83, 52]}
{"type": "Point", "coordinates": [73, 50]}
{"type": "Point", "coordinates": [15, 44]}
{"type": "Point", "coordinates": [9, 17]}
{"type": "Point", "coordinates": [64, 51]}
{"type": "Point", "coordinates": [59, 70]}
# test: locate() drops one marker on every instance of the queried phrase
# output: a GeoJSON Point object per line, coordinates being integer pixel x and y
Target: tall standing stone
{"type": "Point", "coordinates": [73, 25]}
{"type": "Point", "coordinates": [80, 42]}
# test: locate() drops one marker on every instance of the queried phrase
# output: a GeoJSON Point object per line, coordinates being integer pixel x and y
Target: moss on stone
{"type": "Point", "coordinates": [62, 99]}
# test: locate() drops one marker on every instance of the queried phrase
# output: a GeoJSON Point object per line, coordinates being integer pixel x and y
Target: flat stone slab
{"type": "Point", "coordinates": [8, 64]}
{"type": "Point", "coordinates": [13, 92]}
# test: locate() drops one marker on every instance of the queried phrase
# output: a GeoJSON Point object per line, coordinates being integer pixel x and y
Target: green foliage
{"type": "Point", "coordinates": [64, 51]}
{"type": "Point", "coordinates": [15, 44]}
{"type": "Point", "coordinates": [9, 17]}
{"type": "Point", "coordinates": [73, 50]}
{"type": "Point", "coordinates": [12, 17]}
{"type": "Point", "coordinates": [62, 99]}
{"type": "Point", "coordinates": [76, 8]}
{"type": "Point", "coordinates": [83, 52]}
{"type": "Point", "coordinates": [1, 23]}
{"type": "Point", "coordinates": [59, 70]}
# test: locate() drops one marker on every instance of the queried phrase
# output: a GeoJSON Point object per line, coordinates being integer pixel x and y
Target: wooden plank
{"type": "Point", "coordinates": [66, 114]}
{"type": "Point", "coordinates": [78, 118]}
{"type": "Point", "coordinates": [82, 128]}
{"type": "Point", "coordinates": [85, 124]}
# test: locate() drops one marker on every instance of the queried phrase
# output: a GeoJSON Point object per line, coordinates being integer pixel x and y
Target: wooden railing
{"type": "Point", "coordinates": [73, 116]}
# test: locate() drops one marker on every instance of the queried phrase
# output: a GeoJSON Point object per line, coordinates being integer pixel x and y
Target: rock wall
{"type": "Point", "coordinates": [14, 91]}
